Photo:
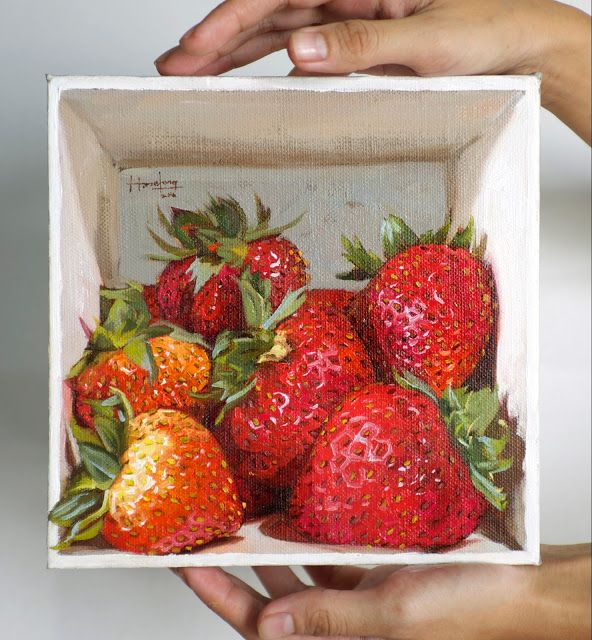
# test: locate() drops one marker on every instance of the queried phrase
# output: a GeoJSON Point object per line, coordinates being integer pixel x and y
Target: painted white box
{"type": "Point", "coordinates": [347, 149]}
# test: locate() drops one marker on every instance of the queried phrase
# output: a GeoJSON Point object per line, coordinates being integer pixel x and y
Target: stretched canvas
{"type": "Point", "coordinates": [293, 321]}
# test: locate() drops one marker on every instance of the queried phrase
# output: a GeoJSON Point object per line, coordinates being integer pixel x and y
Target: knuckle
{"type": "Point", "coordinates": [356, 38]}
{"type": "Point", "coordinates": [322, 624]}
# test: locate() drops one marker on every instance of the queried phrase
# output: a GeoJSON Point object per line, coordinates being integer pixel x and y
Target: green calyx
{"type": "Point", "coordinates": [217, 234]}
{"type": "Point", "coordinates": [125, 324]}
{"type": "Point", "coordinates": [237, 354]}
{"type": "Point", "coordinates": [85, 500]}
{"type": "Point", "coordinates": [396, 236]}
{"type": "Point", "coordinates": [474, 426]}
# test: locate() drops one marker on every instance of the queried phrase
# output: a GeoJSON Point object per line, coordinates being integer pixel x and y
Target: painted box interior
{"type": "Point", "coordinates": [346, 151]}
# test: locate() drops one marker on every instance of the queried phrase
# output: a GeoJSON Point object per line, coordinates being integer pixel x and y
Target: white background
{"type": "Point", "coordinates": [122, 38]}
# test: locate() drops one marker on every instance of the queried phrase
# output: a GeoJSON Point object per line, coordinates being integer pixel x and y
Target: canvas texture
{"type": "Point", "coordinates": [293, 323]}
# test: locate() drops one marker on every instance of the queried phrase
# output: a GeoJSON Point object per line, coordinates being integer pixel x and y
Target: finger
{"type": "Point", "coordinates": [389, 70]}
{"type": "Point", "coordinates": [326, 613]}
{"type": "Point", "coordinates": [230, 598]}
{"type": "Point", "coordinates": [281, 21]}
{"type": "Point", "coordinates": [336, 577]}
{"type": "Point", "coordinates": [253, 50]}
{"type": "Point", "coordinates": [232, 17]}
{"type": "Point", "coordinates": [343, 47]}
{"type": "Point", "coordinates": [279, 581]}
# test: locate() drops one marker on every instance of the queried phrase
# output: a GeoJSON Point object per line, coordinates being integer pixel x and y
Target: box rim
{"type": "Point", "coordinates": [265, 83]}
{"type": "Point", "coordinates": [530, 85]}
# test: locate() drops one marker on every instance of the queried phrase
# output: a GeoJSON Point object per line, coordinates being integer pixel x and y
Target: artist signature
{"type": "Point", "coordinates": [167, 188]}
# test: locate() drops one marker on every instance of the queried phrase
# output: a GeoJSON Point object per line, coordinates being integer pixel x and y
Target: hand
{"type": "Point", "coordinates": [447, 602]}
{"type": "Point", "coordinates": [402, 37]}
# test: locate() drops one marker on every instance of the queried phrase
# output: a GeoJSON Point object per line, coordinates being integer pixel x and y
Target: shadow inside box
{"type": "Point", "coordinates": [279, 527]}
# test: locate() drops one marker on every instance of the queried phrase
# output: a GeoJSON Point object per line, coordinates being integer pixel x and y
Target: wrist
{"type": "Point", "coordinates": [558, 46]}
{"type": "Point", "coordinates": [559, 594]}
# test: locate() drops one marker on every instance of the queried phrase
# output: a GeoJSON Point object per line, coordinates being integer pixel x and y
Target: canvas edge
{"type": "Point", "coordinates": [267, 83]}
{"type": "Point", "coordinates": [532, 457]}
{"type": "Point", "coordinates": [54, 347]}
{"type": "Point", "coordinates": [529, 84]}
{"type": "Point", "coordinates": [131, 561]}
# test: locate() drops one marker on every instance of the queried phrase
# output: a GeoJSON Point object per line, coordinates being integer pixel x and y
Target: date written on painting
{"type": "Point", "coordinates": [167, 188]}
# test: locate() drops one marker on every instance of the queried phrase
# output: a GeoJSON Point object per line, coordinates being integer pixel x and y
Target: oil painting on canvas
{"type": "Point", "coordinates": [292, 359]}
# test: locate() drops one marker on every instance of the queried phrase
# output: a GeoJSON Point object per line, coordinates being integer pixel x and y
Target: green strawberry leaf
{"type": "Point", "coordinates": [255, 294]}
{"type": "Point", "coordinates": [441, 235]}
{"type": "Point", "coordinates": [82, 434]}
{"type": "Point", "coordinates": [233, 400]}
{"type": "Point", "coordinates": [102, 466]}
{"type": "Point", "coordinates": [74, 505]}
{"type": "Point", "coordinates": [483, 483]}
{"type": "Point", "coordinates": [80, 481]}
{"type": "Point", "coordinates": [291, 302]}
{"type": "Point", "coordinates": [156, 330]}
{"type": "Point", "coordinates": [396, 236]}
{"type": "Point", "coordinates": [178, 333]}
{"type": "Point", "coordinates": [464, 237]}
{"type": "Point", "coordinates": [409, 381]}
{"type": "Point", "coordinates": [87, 528]}
{"type": "Point", "coordinates": [232, 251]}
{"type": "Point", "coordinates": [171, 249]}
{"type": "Point", "coordinates": [228, 215]}
{"type": "Point", "coordinates": [78, 367]}
{"type": "Point", "coordinates": [140, 353]}
{"type": "Point", "coordinates": [194, 221]}
{"type": "Point", "coordinates": [264, 231]}
{"type": "Point", "coordinates": [469, 415]}
{"type": "Point", "coordinates": [263, 214]}
{"type": "Point", "coordinates": [201, 271]}
{"type": "Point", "coordinates": [366, 263]}
{"type": "Point", "coordinates": [164, 221]}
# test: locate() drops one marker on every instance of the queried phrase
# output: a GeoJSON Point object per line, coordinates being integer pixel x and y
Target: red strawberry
{"type": "Point", "coordinates": [198, 289]}
{"type": "Point", "coordinates": [155, 365]}
{"type": "Point", "coordinates": [384, 471]}
{"type": "Point", "coordinates": [150, 293]}
{"type": "Point", "coordinates": [430, 307]}
{"type": "Point", "coordinates": [331, 300]}
{"type": "Point", "coordinates": [283, 379]}
{"type": "Point", "coordinates": [155, 485]}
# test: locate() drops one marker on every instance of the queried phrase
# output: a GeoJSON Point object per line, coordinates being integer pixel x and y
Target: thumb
{"type": "Point", "coordinates": [355, 45]}
{"type": "Point", "coordinates": [325, 613]}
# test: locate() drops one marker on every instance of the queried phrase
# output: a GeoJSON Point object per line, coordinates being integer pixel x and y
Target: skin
{"type": "Point", "coordinates": [425, 38]}
{"type": "Point", "coordinates": [447, 602]}
{"type": "Point", "coordinates": [402, 37]}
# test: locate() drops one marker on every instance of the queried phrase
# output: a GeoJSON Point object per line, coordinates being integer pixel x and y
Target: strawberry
{"type": "Point", "coordinates": [281, 379]}
{"type": "Point", "coordinates": [429, 308]}
{"type": "Point", "coordinates": [150, 293]}
{"type": "Point", "coordinates": [397, 466]}
{"type": "Point", "coordinates": [156, 483]}
{"type": "Point", "coordinates": [156, 365]}
{"type": "Point", "coordinates": [198, 289]}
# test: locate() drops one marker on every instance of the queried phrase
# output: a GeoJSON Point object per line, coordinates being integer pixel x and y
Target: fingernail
{"type": "Point", "coordinates": [163, 56]}
{"type": "Point", "coordinates": [309, 46]}
{"type": "Point", "coordinates": [278, 625]}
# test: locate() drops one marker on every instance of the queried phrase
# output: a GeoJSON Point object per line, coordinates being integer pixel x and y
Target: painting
{"type": "Point", "coordinates": [323, 358]}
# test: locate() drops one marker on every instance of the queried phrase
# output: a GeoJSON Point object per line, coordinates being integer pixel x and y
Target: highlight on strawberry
{"type": "Point", "coordinates": [398, 466]}
{"type": "Point", "coordinates": [207, 250]}
{"type": "Point", "coordinates": [157, 365]}
{"type": "Point", "coordinates": [279, 379]}
{"type": "Point", "coordinates": [429, 307]}
{"type": "Point", "coordinates": [155, 483]}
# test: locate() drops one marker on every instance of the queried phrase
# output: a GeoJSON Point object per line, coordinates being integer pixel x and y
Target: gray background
{"type": "Point", "coordinates": [122, 38]}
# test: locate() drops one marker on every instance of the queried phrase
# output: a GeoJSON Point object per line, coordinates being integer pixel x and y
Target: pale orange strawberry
{"type": "Point", "coordinates": [157, 366]}
{"type": "Point", "coordinates": [155, 484]}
